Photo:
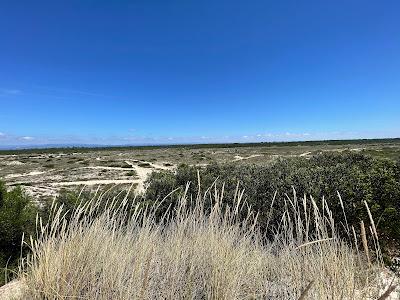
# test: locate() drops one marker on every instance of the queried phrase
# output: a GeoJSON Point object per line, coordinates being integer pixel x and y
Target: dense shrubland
{"type": "Point", "coordinates": [355, 176]}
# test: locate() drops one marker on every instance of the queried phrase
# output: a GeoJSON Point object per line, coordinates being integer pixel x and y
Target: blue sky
{"type": "Point", "coordinates": [139, 72]}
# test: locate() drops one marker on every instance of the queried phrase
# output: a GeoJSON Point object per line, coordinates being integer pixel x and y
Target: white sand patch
{"type": "Point", "coordinates": [94, 182]}
{"type": "Point", "coordinates": [201, 165]}
{"type": "Point", "coordinates": [305, 154]}
{"type": "Point", "coordinates": [9, 176]}
{"type": "Point", "coordinates": [33, 173]}
{"type": "Point", "coordinates": [238, 157]}
{"type": "Point", "coordinates": [14, 163]}
{"type": "Point", "coordinates": [38, 157]}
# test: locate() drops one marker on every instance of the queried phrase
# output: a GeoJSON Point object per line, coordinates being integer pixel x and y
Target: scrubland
{"type": "Point", "coordinates": [221, 223]}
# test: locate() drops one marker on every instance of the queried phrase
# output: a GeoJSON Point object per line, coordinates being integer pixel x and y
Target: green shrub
{"type": "Point", "coordinates": [131, 173]}
{"type": "Point", "coordinates": [144, 165]}
{"type": "Point", "coordinates": [355, 176]}
{"type": "Point", "coordinates": [17, 216]}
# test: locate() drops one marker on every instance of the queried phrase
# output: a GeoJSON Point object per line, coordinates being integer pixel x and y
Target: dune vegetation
{"type": "Point", "coordinates": [295, 228]}
{"type": "Point", "coordinates": [124, 249]}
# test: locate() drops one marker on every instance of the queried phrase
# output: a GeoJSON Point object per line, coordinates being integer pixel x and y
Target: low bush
{"type": "Point", "coordinates": [144, 165]}
{"type": "Point", "coordinates": [131, 173]}
{"type": "Point", "coordinates": [17, 216]}
{"type": "Point", "coordinates": [356, 177]}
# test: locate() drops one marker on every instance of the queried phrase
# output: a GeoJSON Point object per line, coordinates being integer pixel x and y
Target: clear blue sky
{"type": "Point", "coordinates": [120, 72]}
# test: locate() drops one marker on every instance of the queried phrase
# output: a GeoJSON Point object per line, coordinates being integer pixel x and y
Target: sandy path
{"type": "Point", "coordinates": [142, 173]}
{"type": "Point", "coordinates": [238, 157]}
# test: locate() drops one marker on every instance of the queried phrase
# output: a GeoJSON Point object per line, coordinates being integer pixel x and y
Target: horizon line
{"type": "Point", "coordinates": [166, 145]}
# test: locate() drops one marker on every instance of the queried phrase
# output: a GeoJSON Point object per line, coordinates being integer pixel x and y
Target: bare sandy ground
{"type": "Point", "coordinates": [94, 182]}
{"type": "Point", "coordinates": [33, 173]}
{"type": "Point", "coordinates": [238, 157]}
{"type": "Point", "coordinates": [14, 163]}
{"type": "Point", "coordinates": [142, 174]}
{"type": "Point", "coordinates": [305, 154]}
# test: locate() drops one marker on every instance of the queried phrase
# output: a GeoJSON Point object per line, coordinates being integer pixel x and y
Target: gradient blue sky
{"type": "Point", "coordinates": [135, 72]}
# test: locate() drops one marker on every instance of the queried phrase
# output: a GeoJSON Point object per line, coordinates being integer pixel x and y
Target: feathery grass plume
{"type": "Point", "coordinates": [127, 251]}
{"type": "Point", "coordinates": [375, 236]}
{"type": "Point", "coordinates": [344, 214]}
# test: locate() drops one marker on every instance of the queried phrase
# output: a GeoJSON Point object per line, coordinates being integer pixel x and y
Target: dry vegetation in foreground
{"type": "Point", "coordinates": [126, 251]}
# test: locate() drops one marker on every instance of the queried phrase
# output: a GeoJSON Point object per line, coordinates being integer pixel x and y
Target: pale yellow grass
{"type": "Point", "coordinates": [126, 252]}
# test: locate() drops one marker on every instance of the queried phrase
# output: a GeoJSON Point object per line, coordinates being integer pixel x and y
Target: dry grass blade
{"type": "Point", "coordinates": [313, 242]}
{"type": "Point", "coordinates": [387, 293]}
{"type": "Point", "coordinates": [304, 293]}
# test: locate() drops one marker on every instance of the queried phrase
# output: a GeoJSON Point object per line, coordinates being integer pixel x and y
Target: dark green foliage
{"type": "Point", "coordinates": [119, 164]}
{"type": "Point", "coordinates": [144, 165]}
{"type": "Point", "coordinates": [357, 177]}
{"type": "Point", "coordinates": [17, 216]}
{"type": "Point", "coordinates": [69, 200]}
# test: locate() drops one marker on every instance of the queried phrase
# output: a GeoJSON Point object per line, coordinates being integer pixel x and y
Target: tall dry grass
{"type": "Point", "coordinates": [126, 252]}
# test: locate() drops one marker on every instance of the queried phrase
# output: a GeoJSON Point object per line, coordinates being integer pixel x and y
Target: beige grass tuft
{"type": "Point", "coordinates": [127, 252]}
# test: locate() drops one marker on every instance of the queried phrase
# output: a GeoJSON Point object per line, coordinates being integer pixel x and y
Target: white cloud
{"type": "Point", "coordinates": [27, 138]}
